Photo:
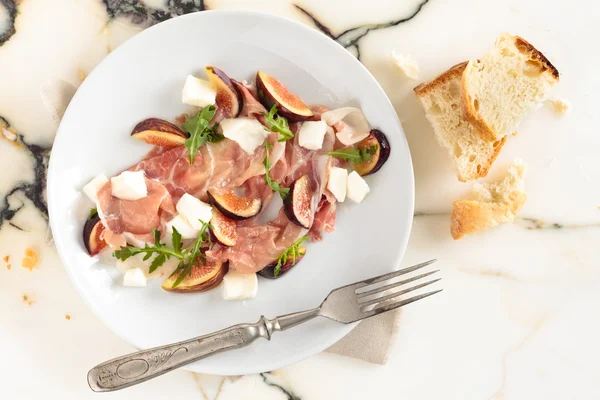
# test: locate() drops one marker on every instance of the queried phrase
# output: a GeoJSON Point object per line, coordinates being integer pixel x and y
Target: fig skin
{"type": "Point", "coordinates": [92, 232]}
{"type": "Point", "coordinates": [374, 164]}
{"type": "Point", "coordinates": [158, 132]}
{"type": "Point", "coordinates": [297, 203]}
{"type": "Point", "coordinates": [228, 97]}
{"type": "Point", "coordinates": [290, 106]}
{"type": "Point", "coordinates": [233, 207]}
{"type": "Point", "coordinates": [202, 279]}
{"type": "Point", "coordinates": [269, 271]}
{"type": "Point", "coordinates": [224, 229]}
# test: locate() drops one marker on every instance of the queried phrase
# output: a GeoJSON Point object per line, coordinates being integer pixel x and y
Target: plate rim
{"type": "Point", "coordinates": [307, 30]}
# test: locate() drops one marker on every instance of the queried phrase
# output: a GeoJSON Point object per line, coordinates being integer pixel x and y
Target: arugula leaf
{"type": "Point", "coordinates": [93, 213]}
{"type": "Point", "coordinates": [278, 124]}
{"type": "Point", "coordinates": [292, 252]}
{"type": "Point", "coordinates": [273, 184]}
{"type": "Point", "coordinates": [188, 258]}
{"type": "Point", "coordinates": [355, 155]}
{"type": "Point", "coordinates": [200, 131]}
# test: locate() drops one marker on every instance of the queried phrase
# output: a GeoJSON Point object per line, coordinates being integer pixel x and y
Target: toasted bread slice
{"type": "Point", "coordinates": [472, 155]}
{"type": "Point", "coordinates": [512, 79]}
{"type": "Point", "coordinates": [490, 204]}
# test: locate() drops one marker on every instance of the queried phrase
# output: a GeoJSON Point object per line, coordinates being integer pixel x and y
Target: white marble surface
{"type": "Point", "coordinates": [518, 317]}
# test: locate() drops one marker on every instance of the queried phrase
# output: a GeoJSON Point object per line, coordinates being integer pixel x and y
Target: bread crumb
{"type": "Point", "coordinates": [406, 64]}
{"type": "Point", "coordinates": [6, 259]}
{"type": "Point", "coordinates": [67, 317]}
{"type": "Point", "coordinates": [30, 260]}
{"type": "Point", "coordinates": [8, 267]}
{"type": "Point", "coordinates": [81, 74]}
{"type": "Point", "coordinates": [559, 106]}
{"type": "Point", "coordinates": [28, 298]}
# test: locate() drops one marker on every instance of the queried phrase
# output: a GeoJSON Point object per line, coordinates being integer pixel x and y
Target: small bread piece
{"type": "Point", "coordinates": [472, 155]}
{"type": "Point", "coordinates": [512, 79]}
{"type": "Point", "coordinates": [490, 204]}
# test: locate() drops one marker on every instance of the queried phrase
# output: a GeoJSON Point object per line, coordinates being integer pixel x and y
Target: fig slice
{"type": "Point", "coordinates": [271, 91]}
{"type": "Point", "coordinates": [234, 207]}
{"type": "Point", "coordinates": [224, 229]}
{"type": "Point", "coordinates": [202, 278]}
{"type": "Point", "coordinates": [228, 98]}
{"type": "Point", "coordinates": [269, 271]}
{"type": "Point", "coordinates": [92, 235]}
{"type": "Point", "coordinates": [374, 164]}
{"type": "Point", "coordinates": [158, 132]}
{"type": "Point", "coordinates": [297, 203]}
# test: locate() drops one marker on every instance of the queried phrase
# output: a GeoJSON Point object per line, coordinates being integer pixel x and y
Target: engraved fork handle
{"type": "Point", "coordinates": [135, 368]}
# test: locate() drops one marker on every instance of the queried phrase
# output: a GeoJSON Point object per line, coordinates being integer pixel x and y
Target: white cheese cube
{"type": "Point", "coordinates": [183, 227]}
{"type": "Point", "coordinates": [311, 134]}
{"type": "Point", "coordinates": [247, 132]}
{"type": "Point", "coordinates": [238, 286]}
{"type": "Point", "coordinates": [338, 178]}
{"type": "Point", "coordinates": [129, 185]}
{"type": "Point", "coordinates": [131, 239]}
{"type": "Point", "coordinates": [134, 278]}
{"type": "Point", "coordinates": [198, 92]}
{"type": "Point", "coordinates": [357, 188]}
{"type": "Point", "coordinates": [194, 210]}
{"type": "Point", "coordinates": [92, 188]}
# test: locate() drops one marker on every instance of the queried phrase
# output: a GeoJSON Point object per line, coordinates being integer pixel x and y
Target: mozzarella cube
{"type": "Point", "coordinates": [183, 227]}
{"type": "Point", "coordinates": [338, 178]}
{"type": "Point", "coordinates": [238, 286]}
{"type": "Point", "coordinates": [194, 210]}
{"type": "Point", "coordinates": [131, 239]}
{"type": "Point", "coordinates": [134, 277]}
{"type": "Point", "coordinates": [129, 185]}
{"type": "Point", "coordinates": [92, 188]}
{"type": "Point", "coordinates": [357, 188]}
{"type": "Point", "coordinates": [198, 92]}
{"type": "Point", "coordinates": [311, 134]}
{"type": "Point", "coordinates": [247, 132]}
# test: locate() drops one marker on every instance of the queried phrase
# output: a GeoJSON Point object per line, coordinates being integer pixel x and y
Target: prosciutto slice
{"type": "Point", "coordinates": [135, 216]}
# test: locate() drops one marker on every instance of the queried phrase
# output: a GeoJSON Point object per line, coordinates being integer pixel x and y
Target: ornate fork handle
{"type": "Point", "coordinates": [134, 368]}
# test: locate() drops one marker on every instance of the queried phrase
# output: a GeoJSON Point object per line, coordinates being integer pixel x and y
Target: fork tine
{"type": "Point", "coordinates": [396, 294]}
{"type": "Point", "coordinates": [361, 295]}
{"type": "Point", "coordinates": [394, 274]}
{"type": "Point", "coordinates": [398, 304]}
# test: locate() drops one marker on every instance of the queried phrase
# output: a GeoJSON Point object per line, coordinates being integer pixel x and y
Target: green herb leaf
{"type": "Point", "coordinates": [200, 131]}
{"type": "Point", "coordinates": [272, 184]}
{"type": "Point", "coordinates": [355, 155]}
{"type": "Point", "coordinates": [291, 252]}
{"type": "Point", "coordinates": [176, 239]}
{"type": "Point", "coordinates": [278, 124]}
{"type": "Point", "coordinates": [193, 255]}
{"type": "Point", "coordinates": [93, 213]}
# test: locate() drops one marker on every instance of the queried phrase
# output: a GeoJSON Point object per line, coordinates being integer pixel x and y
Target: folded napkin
{"type": "Point", "coordinates": [372, 340]}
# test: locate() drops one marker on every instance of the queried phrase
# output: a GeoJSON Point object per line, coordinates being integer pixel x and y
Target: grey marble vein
{"type": "Point", "coordinates": [33, 191]}
{"type": "Point", "coordinates": [7, 32]}
{"type": "Point", "coordinates": [289, 395]}
{"type": "Point", "coordinates": [350, 37]}
{"type": "Point", "coordinates": [141, 14]}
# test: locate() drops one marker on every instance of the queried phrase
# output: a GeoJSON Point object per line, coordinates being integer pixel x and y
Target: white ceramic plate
{"type": "Point", "coordinates": [143, 78]}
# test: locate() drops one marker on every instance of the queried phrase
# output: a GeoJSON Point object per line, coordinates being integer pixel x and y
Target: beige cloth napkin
{"type": "Point", "coordinates": [372, 340]}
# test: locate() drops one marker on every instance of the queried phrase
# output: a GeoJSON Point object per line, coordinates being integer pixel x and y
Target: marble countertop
{"type": "Point", "coordinates": [517, 319]}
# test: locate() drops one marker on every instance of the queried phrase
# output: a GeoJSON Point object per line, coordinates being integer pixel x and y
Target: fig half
{"type": "Point", "coordinates": [92, 235]}
{"type": "Point", "coordinates": [224, 229]}
{"type": "Point", "coordinates": [158, 132]}
{"type": "Point", "coordinates": [202, 278]}
{"type": "Point", "coordinates": [374, 164]}
{"type": "Point", "coordinates": [269, 271]}
{"type": "Point", "coordinates": [271, 91]}
{"type": "Point", "coordinates": [297, 203]}
{"type": "Point", "coordinates": [234, 207]}
{"type": "Point", "coordinates": [228, 98]}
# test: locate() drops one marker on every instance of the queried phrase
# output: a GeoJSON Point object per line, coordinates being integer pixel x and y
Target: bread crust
{"type": "Point", "coordinates": [426, 88]}
{"type": "Point", "coordinates": [466, 101]}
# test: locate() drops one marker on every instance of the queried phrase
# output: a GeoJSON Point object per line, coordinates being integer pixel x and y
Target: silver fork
{"type": "Point", "coordinates": [346, 304]}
